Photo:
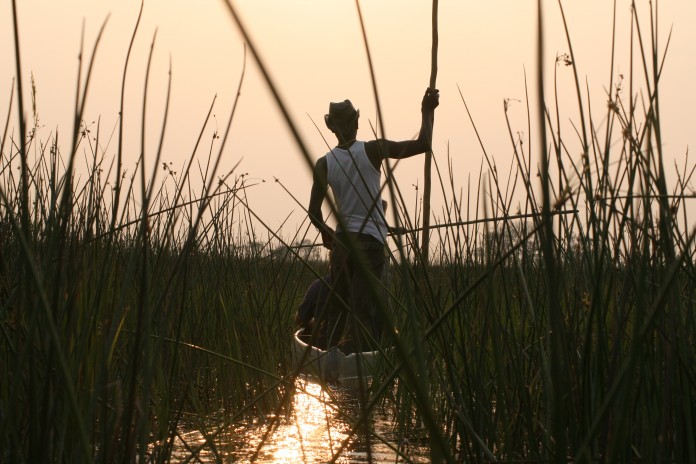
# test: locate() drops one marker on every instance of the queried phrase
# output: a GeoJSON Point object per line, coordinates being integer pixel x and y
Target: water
{"type": "Point", "coordinates": [316, 431]}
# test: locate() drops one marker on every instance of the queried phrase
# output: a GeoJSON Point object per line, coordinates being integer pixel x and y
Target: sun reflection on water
{"type": "Point", "coordinates": [314, 432]}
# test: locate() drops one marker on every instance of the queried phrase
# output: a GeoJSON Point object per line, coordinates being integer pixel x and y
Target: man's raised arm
{"type": "Point", "coordinates": [380, 149]}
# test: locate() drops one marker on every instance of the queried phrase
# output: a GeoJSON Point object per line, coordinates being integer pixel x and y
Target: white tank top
{"type": "Point", "coordinates": [355, 184]}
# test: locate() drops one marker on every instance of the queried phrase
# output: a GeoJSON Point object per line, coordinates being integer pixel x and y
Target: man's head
{"type": "Point", "coordinates": [342, 119]}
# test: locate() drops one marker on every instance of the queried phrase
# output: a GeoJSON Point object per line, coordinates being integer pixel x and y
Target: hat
{"type": "Point", "coordinates": [340, 113]}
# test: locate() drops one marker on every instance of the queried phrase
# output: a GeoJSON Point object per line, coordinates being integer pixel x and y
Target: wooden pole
{"type": "Point", "coordinates": [427, 183]}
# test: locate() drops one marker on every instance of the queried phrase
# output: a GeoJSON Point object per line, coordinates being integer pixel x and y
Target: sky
{"type": "Point", "coordinates": [315, 54]}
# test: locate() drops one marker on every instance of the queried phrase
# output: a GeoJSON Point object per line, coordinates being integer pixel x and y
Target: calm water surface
{"type": "Point", "coordinates": [316, 431]}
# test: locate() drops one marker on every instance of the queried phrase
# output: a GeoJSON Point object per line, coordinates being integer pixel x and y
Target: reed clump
{"type": "Point", "coordinates": [113, 332]}
{"type": "Point", "coordinates": [128, 299]}
{"type": "Point", "coordinates": [567, 336]}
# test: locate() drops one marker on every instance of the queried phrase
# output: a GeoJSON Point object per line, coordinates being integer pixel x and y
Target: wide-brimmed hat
{"type": "Point", "coordinates": [340, 113]}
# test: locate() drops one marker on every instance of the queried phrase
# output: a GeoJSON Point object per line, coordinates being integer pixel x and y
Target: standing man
{"type": "Point", "coordinates": [353, 171]}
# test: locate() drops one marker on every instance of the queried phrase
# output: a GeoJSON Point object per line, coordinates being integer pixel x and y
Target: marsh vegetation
{"type": "Point", "coordinates": [564, 330]}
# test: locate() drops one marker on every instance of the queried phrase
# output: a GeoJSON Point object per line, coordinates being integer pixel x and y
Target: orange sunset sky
{"type": "Point", "coordinates": [315, 54]}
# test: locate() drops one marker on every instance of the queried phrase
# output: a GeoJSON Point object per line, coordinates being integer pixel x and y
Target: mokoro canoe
{"type": "Point", "coordinates": [333, 364]}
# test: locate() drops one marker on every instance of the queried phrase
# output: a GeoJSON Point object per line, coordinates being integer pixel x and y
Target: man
{"type": "Point", "coordinates": [353, 171]}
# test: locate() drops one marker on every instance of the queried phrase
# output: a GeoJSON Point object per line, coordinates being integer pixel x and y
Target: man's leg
{"type": "Point", "coordinates": [338, 299]}
{"type": "Point", "coordinates": [366, 293]}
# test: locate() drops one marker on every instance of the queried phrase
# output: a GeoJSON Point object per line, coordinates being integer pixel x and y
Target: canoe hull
{"type": "Point", "coordinates": [333, 364]}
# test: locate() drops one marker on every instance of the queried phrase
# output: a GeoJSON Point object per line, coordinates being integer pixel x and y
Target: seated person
{"type": "Point", "coordinates": [314, 302]}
